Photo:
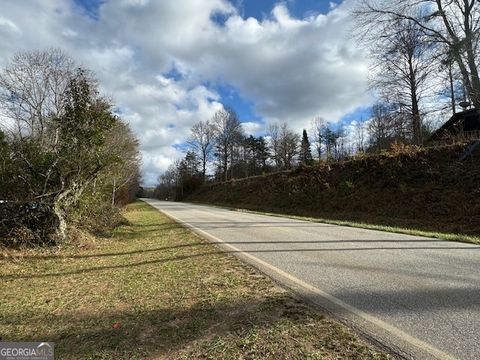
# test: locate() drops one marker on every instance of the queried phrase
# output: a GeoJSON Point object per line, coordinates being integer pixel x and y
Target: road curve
{"type": "Point", "coordinates": [416, 296]}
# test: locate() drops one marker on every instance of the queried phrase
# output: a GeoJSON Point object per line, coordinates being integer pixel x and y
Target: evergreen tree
{"type": "Point", "coordinates": [189, 175]}
{"type": "Point", "coordinates": [190, 164]}
{"type": "Point", "coordinates": [305, 150]}
{"type": "Point", "coordinates": [331, 138]}
{"type": "Point", "coordinates": [251, 154]}
{"type": "Point", "coordinates": [262, 153]}
{"type": "Point", "coordinates": [257, 154]}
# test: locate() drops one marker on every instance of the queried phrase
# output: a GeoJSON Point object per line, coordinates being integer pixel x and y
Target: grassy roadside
{"type": "Point", "coordinates": [362, 225]}
{"type": "Point", "coordinates": [155, 290]}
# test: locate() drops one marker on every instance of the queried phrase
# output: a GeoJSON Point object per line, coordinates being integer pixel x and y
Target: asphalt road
{"type": "Point", "coordinates": [418, 297]}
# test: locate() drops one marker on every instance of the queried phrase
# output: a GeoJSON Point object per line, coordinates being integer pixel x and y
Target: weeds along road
{"type": "Point", "coordinates": [417, 297]}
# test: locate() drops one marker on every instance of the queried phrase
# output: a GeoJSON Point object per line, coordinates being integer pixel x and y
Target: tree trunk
{"type": "Point", "coordinates": [204, 166]}
{"type": "Point", "coordinates": [474, 79]}
{"type": "Point", "coordinates": [61, 232]}
{"type": "Point", "coordinates": [416, 120]}
{"type": "Point", "coordinates": [466, 78]}
{"type": "Point", "coordinates": [470, 76]}
{"type": "Point", "coordinates": [231, 162]}
{"type": "Point", "coordinates": [471, 60]}
{"type": "Point", "coordinates": [113, 192]}
{"type": "Point", "coordinates": [225, 163]}
{"type": "Point", "coordinates": [452, 89]}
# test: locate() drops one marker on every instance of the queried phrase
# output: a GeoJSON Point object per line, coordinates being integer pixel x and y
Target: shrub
{"type": "Point", "coordinates": [95, 214]}
{"type": "Point", "coordinates": [27, 224]}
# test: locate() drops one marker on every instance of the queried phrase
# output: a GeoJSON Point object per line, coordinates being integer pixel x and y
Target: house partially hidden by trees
{"type": "Point", "coordinates": [463, 125]}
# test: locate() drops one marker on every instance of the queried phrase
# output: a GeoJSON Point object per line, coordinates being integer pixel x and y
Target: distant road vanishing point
{"type": "Point", "coordinates": [417, 297]}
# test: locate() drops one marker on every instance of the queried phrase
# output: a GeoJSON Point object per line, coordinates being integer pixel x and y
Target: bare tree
{"type": "Point", "coordinates": [382, 127]}
{"type": "Point", "coordinates": [122, 144]}
{"type": "Point", "coordinates": [341, 150]}
{"type": "Point", "coordinates": [284, 145]}
{"type": "Point", "coordinates": [318, 126]}
{"type": "Point", "coordinates": [454, 90]}
{"type": "Point", "coordinates": [228, 132]}
{"type": "Point", "coordinates": [454, 23]}
{"type": "Point", "coordinates": [274, 135]}
{"type": "Point", "coordinates": [360, 135]}
{"type": "Point", "coordinates": [202, 141]}
{"type": "Point", "coordinates": [32, 88]}
{"type": "Point", "coordinates": [402, 69]}
{"type": "Point", "coordinates": [330, 137]}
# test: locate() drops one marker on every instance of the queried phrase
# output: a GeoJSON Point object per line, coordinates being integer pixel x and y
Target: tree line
{"type": "Point", "coordinates": [62, 148]}
{"type": "Point", "coordinates": [218, 149]}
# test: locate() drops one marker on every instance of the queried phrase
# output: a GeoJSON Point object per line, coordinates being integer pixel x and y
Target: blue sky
{"type": "Point", "coordinates": [168, 63]}
{"type": "Point", "coordinates": [89, 6]}
{"type": "Point", "coordinates": [298, 8]}
{"type": "Point", "coordinates": [254, 8]}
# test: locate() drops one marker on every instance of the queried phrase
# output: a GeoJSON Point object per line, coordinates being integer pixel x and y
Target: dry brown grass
{"type": "Point", "coordinates": [155, 290]}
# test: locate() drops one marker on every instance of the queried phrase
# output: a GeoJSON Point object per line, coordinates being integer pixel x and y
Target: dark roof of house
{"type": "Point", "coordinates": [468, 120]}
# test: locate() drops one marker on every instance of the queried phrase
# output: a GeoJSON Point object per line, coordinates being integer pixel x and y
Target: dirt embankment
{"type": "Point", "coordinates": [428, 189]}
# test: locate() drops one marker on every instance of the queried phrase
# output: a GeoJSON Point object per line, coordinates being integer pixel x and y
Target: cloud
{"type": "Point", "coordinates": [252, 128]}
{"type": "Point", "coordinates": [8, 25]}
{"type": "Point", "coordinates": [291, 69]}
{"type": "Point", "coordinates": [332, 5]}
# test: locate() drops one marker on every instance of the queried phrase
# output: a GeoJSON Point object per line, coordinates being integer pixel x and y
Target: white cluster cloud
{"type": "Point", "coordinates": [291, 69]}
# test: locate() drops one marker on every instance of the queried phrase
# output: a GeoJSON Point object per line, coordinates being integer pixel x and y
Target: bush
{"type": "Point", "coordinates": [27, 224]}
{"type": "Point", "coordinates": [95, 214]}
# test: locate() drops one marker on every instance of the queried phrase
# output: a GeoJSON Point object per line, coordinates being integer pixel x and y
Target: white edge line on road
{"type": "Point", "coordinates": [385, 326]}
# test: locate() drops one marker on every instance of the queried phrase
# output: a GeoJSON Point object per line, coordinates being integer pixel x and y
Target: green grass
{"type": "Point", "coordinates": [153, 289]}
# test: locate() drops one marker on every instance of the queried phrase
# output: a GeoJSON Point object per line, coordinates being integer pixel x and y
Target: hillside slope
{"type": "Point", "coordinates": [428, 189]}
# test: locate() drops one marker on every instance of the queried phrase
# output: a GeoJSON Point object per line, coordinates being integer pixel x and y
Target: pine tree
{"type": "Point", "coordinates": [305, 150]}
{"type": "Point", "coordinates": [262, 153]}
